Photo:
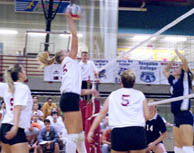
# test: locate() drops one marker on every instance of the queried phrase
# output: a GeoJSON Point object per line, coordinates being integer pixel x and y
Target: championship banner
{"type": "Point", "coordinates": [147, 72]}
{"type": "Point", "coordinates": [34, 6]}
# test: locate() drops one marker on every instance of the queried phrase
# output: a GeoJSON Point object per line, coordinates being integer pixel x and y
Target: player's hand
{"type": "Point", "coordinates": [95, 93]}
{"type": "Point", "coordinates": [147, 150]}
{"type": "Point", "coordinates": [151, 145]}
{"type": "Point", "coordinates": [97, 80]}
{"type": "Point", "coordinates": [90, 137]}
{"type": "Point", "coordinates": [67, 12]}
{"type": "Point", "coordinates": [34, 146]}
{"type": "Point", "coordinates": [12, 133]}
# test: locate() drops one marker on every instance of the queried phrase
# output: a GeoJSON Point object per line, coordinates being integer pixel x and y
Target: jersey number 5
{"type": "Point", "coordinates": [125, 100]}
{"type": "Point", "coordinates": [64, 68]}
{"type": "Point", "coordinates": [11, 104]}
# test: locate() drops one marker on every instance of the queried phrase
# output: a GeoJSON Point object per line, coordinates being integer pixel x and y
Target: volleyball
{"type": "Point", "coordinates": [75, 11]}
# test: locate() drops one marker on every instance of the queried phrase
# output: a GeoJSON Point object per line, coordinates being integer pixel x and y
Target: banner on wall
{"type": "Point", "coordinates": [106, 75]}
{"type": "Point", "coordinates": [121, 66]}
{"type": "Point", "coordinates": [147, 72]}
{"type": "Point", "coordinates": [34, 6]}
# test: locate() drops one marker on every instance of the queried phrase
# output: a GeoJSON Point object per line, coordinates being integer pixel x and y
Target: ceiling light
{"type": "Point", "coordinates": [8, 32]}
{"type": "Point", "coordinates": [37, 34]}
{"type": "Point", "coordinates": [142, 37]}
{"type": "Point", "coordinates": [66, 36]}
{"type": "Point", "coordinates": [175, 39]}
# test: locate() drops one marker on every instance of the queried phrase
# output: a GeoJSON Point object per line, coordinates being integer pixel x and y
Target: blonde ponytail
{"type": "Point", "coordinates": [9, 80]}
{"type": "Point", "coordinates": [45, 60]}
{"type": "Point", "coordinates": [11, 75]}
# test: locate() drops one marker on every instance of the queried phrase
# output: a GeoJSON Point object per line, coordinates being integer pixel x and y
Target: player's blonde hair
{"type": "Point", "coordinates": [150, 100]}
{"type": "Point", "coordinates": [128, 78]}
{"type": "Point", "coordinates": [11, 75]}
{"type": "Point", "coordinates": [45, 60]}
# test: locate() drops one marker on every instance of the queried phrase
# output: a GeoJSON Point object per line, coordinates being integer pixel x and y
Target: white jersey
{"type": "Point", "coordinates": [71, 76]}
{"type": "Point", "coordinates": [126, 108]}
{"type": "Point", "coordinates": [87, 70]}
{"type": "Point", "coordinates": [22, 96]}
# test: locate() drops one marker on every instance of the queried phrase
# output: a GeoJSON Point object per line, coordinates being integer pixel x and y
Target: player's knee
{"type": "Point", "coordinates": [78, 137]}
{"type": "Point", "coordinates": [56, 146]}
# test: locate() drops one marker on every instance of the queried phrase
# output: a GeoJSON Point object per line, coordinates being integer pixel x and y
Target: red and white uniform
{"type": "Point", "coordinates": [71, 76]}
{"type": "Point", "coordinates": [126, 108]}
{"type": "Point", "coordinates": [22, 96]}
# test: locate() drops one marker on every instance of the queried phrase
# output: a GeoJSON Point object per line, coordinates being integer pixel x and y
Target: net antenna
{"type": "Point", "coordinates": [49, 13]}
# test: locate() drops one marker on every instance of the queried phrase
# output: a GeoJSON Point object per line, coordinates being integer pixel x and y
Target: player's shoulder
{"type": "Point", "coordinates": [21, 86]}
{"type": "Point", "coordinates": [116, 91]}
{"type": "Point", "coordinates": [80, 62]}
{"type": "Point", "coordinates": [137, 91]}
{"type": "Point", "coordinates": [2, 84]}
{"type": "Point", "coordinates": [67, 59]}
{"type": "Point", "coordinates": [159, 118]}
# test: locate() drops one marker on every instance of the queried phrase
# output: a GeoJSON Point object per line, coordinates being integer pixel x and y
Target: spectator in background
{"type": "Point", "coordinates": [36, 110]}
{"type": "Point", "coordinates": [106, 140]}
{"type": "Point", "coordinates": [48, 106]}
{"type": "Point", "coordinates": [48, 138]}
{"type": "Point", "coordinates": [59, 117]}
{"type": "Point", "coordinates": [57, 123]}
{"type": "Point", "coordinates": [104, 124]}
{"type": "Point", "coordinates": [31, 135]}
{"type": "Point", "coordinates": [88, 71]}
{"type": "Point", "coordinates": [35, 100]}
{"type": "Point", "coordinates": [36, 120]}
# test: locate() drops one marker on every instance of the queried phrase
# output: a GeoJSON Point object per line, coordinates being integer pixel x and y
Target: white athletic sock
{"type": "Point", "coordinates": [177, 150]}
{"type": "Point", "coordinates": [187, 149]}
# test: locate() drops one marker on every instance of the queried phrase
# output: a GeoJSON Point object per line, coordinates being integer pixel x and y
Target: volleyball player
{"type": "Point", "coordinates": [18, 101]}
{"type": "Point", "coordinates": [70, 89]}
{"type": "Point", "coordinates": [155, 131]}
{"type": "Point", "coordinates": [127, 109]}
{"type": "Point", "coordinates": [181, 83]}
